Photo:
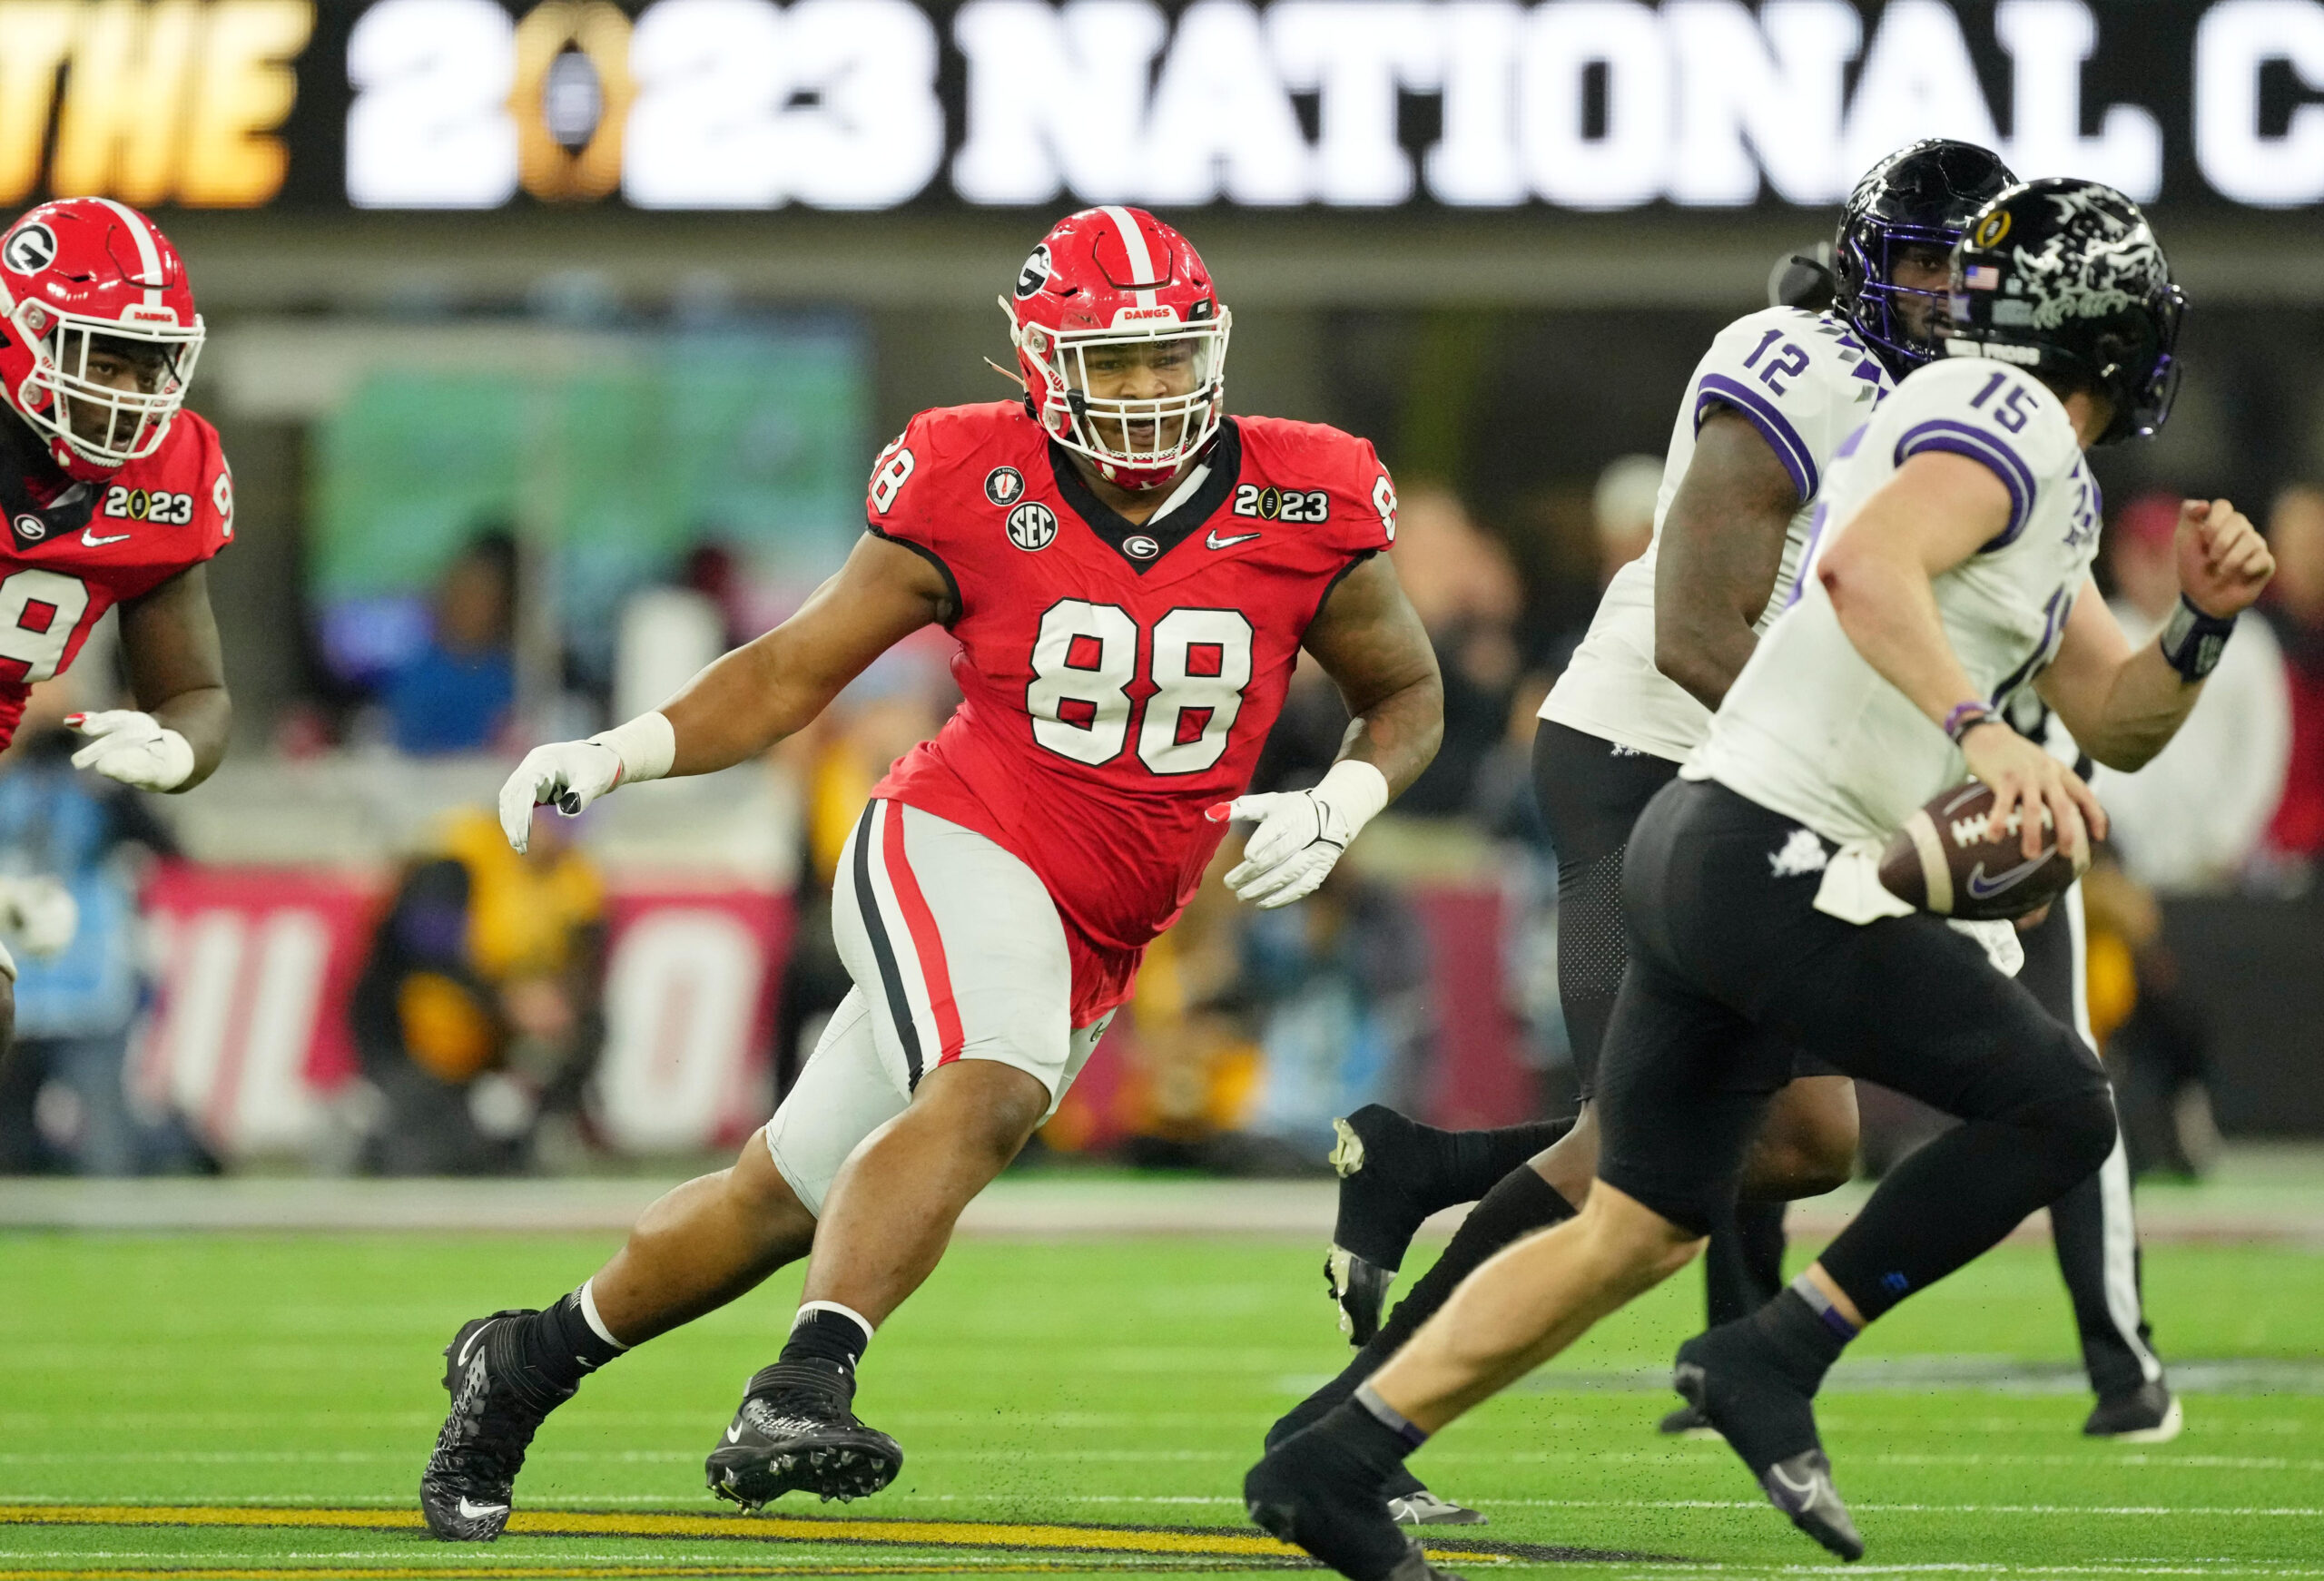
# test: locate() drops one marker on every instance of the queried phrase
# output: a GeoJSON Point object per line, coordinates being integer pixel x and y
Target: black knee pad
{"type": "Point", "coordinates": [2078, 1126]}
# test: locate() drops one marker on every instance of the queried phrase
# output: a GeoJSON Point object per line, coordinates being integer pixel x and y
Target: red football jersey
{"type": "Point", "coordinates": [1117, 679]}
{"type": "Point", "coordinates": [70, 556]}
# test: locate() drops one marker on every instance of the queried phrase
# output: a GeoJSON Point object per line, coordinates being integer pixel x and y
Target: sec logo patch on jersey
{"type": "Point", "coordinates": [1031, 525]}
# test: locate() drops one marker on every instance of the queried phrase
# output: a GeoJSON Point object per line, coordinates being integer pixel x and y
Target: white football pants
{"type": "Point", "coordinates": [957, 953]}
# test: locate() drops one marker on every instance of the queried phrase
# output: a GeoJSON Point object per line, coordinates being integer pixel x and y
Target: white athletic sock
{"type": "Point", "coordinates": [858, 1319]}
{"type": "Point", "coordinates": [589, 1297]}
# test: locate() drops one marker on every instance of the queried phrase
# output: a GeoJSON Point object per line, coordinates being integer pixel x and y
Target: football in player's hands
{"type": "Point", "coordinates": [1949, 858]}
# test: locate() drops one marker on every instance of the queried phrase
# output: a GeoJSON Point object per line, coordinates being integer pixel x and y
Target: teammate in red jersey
{"type": "Point", "coordinates": [1131, 575]}
{"type": "Point", "coordinates": [113, 497]}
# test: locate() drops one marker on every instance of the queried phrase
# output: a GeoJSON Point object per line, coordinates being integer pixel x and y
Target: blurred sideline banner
{"type": "Point", "coordinates": [256, 965]}
{"type": "Point", "coordinates": [877, 104]}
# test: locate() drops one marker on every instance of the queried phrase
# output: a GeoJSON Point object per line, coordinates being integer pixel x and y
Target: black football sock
{"type": "Point", "coordinates": [1804, 1331]}
{"type": "Point", "coordinates": [562, 1345]}
{"type": "Point", "coordinates": [828, 1332]}
{"type": "Point", "coordinates": [1956, 1198]}
{"type": "Point", "coordinates": [1520, 1204]}
{"type": "Point", "coordinates": [1411, 1170]}
{"type": "Point", "coordinates": [1473, 1162]}
{"type": "Point", "coordinates": [1743, 1268]}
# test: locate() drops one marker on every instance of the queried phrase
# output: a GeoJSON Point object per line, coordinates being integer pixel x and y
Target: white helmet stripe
{"type": "Point", "coordinates": [149, 257]}
{"type": "Point", "coordinates": [1141, 259]}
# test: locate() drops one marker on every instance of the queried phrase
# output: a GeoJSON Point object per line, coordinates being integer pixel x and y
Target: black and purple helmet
{"type": "Point", "coordinates": [2065, 278]}
{"type": "Point", "coordinates": [1924, 194]}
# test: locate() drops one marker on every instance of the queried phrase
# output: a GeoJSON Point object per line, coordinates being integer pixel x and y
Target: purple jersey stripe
{"type": "Point", "coordinates": [1981, 446]}
{"type": "Point", "coordinates": [1718, 390]}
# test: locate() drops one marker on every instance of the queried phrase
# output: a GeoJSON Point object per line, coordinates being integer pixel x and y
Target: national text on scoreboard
{"type": "Point", "coordinates": [882, 104]}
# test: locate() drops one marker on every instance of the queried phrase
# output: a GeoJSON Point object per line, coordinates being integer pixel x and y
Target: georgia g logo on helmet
{"type": "Point", "coordinates": [30, 247]}
{"type": "Point", "coordinates": [1035, 272]}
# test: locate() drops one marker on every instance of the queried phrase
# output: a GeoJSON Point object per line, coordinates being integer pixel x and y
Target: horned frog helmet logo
{"type": "Point", "coordinates": [2093, 264]}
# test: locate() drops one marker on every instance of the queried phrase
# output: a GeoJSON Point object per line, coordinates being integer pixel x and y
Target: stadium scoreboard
{"type": "Point", "coordinates": [870, 105]}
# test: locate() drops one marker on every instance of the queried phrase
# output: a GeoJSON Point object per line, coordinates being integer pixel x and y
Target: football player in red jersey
{"type": "Point", "coordinates": [113, 496]}
{"type": "Point", "coordinates": [1131, 575]}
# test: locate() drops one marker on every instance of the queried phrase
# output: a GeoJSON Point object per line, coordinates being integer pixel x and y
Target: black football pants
{"type": "Point", "coordinates": [1732, 968]}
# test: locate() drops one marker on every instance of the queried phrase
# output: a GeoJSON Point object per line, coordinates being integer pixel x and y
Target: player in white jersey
{"type": "Point", "coordinates": [1949, 571]}
{"type": "Point", "coordinates": [1769, 404]}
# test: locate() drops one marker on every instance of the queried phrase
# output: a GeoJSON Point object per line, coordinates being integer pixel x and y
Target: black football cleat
{"type": "Point", "coordinates": [2148, 1414]}
{"type": "Point", "coordinates": [1770, 1421]}
{"type": "Point", "coordinates": [1385, 1196]}
{"type": "Point", "coordinates": [795, 1433]}
{"type": "Point", "coordinates": [1359, 1287]}
{"type": "Point", "coordinates": [1687, 1422]}
{"type": "Point", "coordinates": [1310, 1493]}
{"type": "Point", "coordinates": [1802, 1489]}
{"type": "Point", "coordinates": [498, 1402]}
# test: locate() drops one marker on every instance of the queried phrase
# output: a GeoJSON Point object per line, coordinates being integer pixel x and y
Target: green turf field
{"type": "Point", "coordinates": [1089, 1385]}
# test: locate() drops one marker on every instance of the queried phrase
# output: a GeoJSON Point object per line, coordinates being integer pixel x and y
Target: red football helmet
{"type": "Point", "coordinates": [75, 275]}
{"type": "Point", "coordinates": [1119, 287]}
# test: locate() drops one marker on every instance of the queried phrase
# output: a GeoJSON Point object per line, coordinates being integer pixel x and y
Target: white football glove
{"type": "Point", "coordinates": [41, 912]}
{"type": "Point", "coordinates": [569, 775]}
{"type": "Point", "coordinates": [133, 748]}
{"type": "Point", "coordinates": [1301, 833]}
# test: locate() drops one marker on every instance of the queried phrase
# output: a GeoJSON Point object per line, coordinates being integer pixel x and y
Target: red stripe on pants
{"type": "Point", "coordinates": [926, 941]}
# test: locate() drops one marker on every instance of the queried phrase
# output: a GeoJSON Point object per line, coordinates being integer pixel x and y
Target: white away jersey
{"type": "Point", "coordinates": [1813, 731]}
{"type": "Point", "coordinates": [1806, 382]}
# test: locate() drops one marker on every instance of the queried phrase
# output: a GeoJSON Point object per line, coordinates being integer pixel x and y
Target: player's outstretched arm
{"type": "Point", "coordinates": [749, 699]}
{"type": "Point", "coordinates": [176, 735]}
{"type": "Point", "coordinates": [2123, 705]}
{"type": "Point", "coordinates": [1372, 644]}
{"type": "Point", "coordinates": [1721, 551]}
{"type": "Point", "coordinates": [1939, 509]}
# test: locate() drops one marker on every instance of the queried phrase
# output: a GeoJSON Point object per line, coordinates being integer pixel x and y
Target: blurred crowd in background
{"type": "Point", "coordinates": [476, 1016]}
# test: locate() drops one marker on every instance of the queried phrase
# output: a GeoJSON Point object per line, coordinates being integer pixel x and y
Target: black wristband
{"type": "Point", "coordinates": [2192, 641]}
{"type": "Point", "coordinates": [1966, 717]}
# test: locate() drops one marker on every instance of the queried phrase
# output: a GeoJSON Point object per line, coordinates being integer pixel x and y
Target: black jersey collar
{"type": "Point", "coordinates": [1166, 532]}
{"type": "Point", "coordinates": [23, 457]}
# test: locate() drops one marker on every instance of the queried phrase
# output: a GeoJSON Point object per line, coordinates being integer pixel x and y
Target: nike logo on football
{"type": "Point", "coordinates": [1981, 886]}
{"type": "Point", "coordinates": [88, 537]}
{"type": "Point", "coordinates": [1215, 542]}
{"type": "Point", "coordinates": [478, 1512]}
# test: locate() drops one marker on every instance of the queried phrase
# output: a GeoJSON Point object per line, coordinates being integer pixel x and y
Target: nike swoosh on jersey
{"type": "Point", "coordinates": [1982, 888]}
{"type": "Point", "coordinates": [1213, 541]}
{"type": "Point", "coordinates": [101, 543]}
{"type": "Point", "coordinates": [473, 1511]}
